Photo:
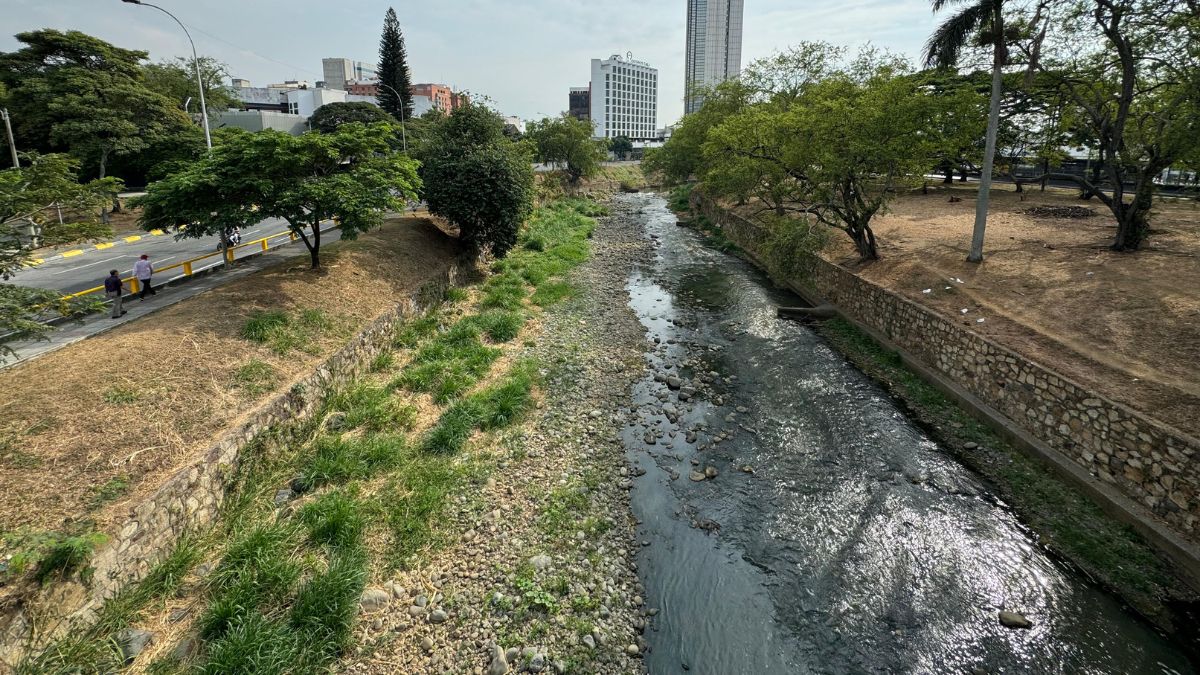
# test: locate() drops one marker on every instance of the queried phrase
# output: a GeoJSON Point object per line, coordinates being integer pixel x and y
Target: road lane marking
{"type": "Point", "coordinates": [156, 232]}
{"type": "Point", "coordinates": [101, 247]}
{"type": "Point", "coordinates": [79, 267]}
{"type": "Point", "coordinates": [72, 253]}
{"type": "Point", "coordinates": [132, 238]}
{"type": "Point", "coordinates": [34, 262]}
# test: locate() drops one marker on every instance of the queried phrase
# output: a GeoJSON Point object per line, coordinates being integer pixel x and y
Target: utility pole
{"type": "Point", "coordinates": [12, 143]}
{"type": "Point", "coordinates": [403, 135]}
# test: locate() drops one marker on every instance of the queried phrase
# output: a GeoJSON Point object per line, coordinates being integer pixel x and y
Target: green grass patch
{"type": "Point", "coordinates": [496, 407]}
{"type": "Point", "coordinates": [67, 556]}
{"type": "Point", "coordinates": [284, 333]}
{"type": "Point", "coordinates": [121, 395]}
{"type": "Point", "coordinates": [499, 325]}
{"type": "Point", "coordinates": [111, 490]}
{"type": "Point", "coordinates": [256, 377]}
{"type": "Point", "coordinates": [334, 519]}
{"type": "Point", "coordinates": [326, 606]}
{"type": "Point", "coordinates": [384, 362]}
{"type": "Point", "coordinates": [552, 292]}
{"type": "Point", "coordinates": [456, 294]}
{"type": "Point", "coordinates": [416, 330]}
{"type": "Point", "coordinates": [335, 460]}
{"type": "Point", "coordinates": [373, 408]}
{"type": "Point", "coordinates": [504, 291]}
{"type": "Point", "coordinates": [450, 364]}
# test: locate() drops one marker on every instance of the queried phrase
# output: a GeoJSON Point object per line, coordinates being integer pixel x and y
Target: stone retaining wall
{"type": "Point", "coordinates": [191, 498]}
{"type": "Point", "coordinates": [1148, 461]}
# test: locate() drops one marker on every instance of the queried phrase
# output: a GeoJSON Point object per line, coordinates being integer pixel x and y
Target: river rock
{"type": "Point", "coordinates": [970, 445]}
{"type": "Point", "coordinates": [589, 641]}
{"type": "Point", "coordinates": [426, 644]}
{"type": "Point", "coordinates": [536, 664]}
{"type": "Point", "coordinates": [186, 649]}
{"type": "Point", "coordinates": [1014, 620]}
{"type": "Point", "coordinates": [374, 599]}
{"type": "Point", "coordinates": [674, 382]}
{"type": "Point", "coordinates": [633, 650]}
{"type": "Point", "coordinates": [540, 562]}
{"type": "Point", "coordinates": [710, 472]}
{"type": "Point", "coordinates": [133, 641]}
{"type": "Point", "coordinates": [696, 476]}
{"type": "Point", "coordinates": [438, 616]}
{"type": "Point", "coordinates": [499, 664]}
{"type": "Point", "coordinates": [284, 496]}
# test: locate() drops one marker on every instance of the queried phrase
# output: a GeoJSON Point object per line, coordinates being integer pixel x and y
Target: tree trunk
{"type": "Point", "coordinates": [949, 171]}
{"type": "Point", "coordinates": [864, 242]}
{"type": "Point", "coordinates": [1045, 171]}
{"type": "Point", "coordinates": [1133, 219]}
{"type": "Point", "coordinates": [314, 251]}
{"type": "Point", "coordinates": [985, 179]}
{"type": "Point", "coordinates": [962, 174]}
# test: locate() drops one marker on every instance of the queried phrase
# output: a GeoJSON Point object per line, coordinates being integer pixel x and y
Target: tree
{"type": "Point", "coordinates": [70, 90]}
{"type": "Point", "coordinates": [34, 194]}
{"type": "Point", "coordinates": [30, 195]}
{"type": "Point", "coordinates": [1137, 98]}
{"type": "Point", "coordinates": [621, 146]}
{"type": "Point", "coordinates": [566, 141]}
{"type": "Point", "coordinates": [329, 117]}
{"type": "Point", "coordinates": [396, 96]}
{"type": "Point", "coordinates": [943, 50]}
{"type": "Point", "coordinates": [477, 179]}
{"type": "Point", "coordinates": [833, 149]}
{"type": "Point", "coordinates": [352, 176]}
{"type": "Point", "coordinates": [176, 79]}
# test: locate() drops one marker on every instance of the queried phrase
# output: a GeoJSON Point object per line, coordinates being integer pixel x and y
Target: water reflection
{"type": "Point", "coordinates": [836, 537]}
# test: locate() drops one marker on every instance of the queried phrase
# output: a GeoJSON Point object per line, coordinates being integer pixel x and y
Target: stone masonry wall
{"type": "Point", "coordinates": [1150, 462]}
{"type": "Point", "coordinates": [191, 498]}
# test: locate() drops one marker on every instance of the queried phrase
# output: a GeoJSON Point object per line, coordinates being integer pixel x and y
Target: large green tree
{"type": "Point", "coordinates": [1129, 71]}
{"type": "Point", "coordinates": [76, 92]}
{"type": "Point", "coordinates": [331, 116]}
{"type": "Point", "coordinates": [176, 79]}
{"type": "Point", "coordinates": [477, 178]}
{"type": "Point", "coordinates": [395, 91]}
{"type": "Point", "coordinates": [352, 176]}
{"type": "Point", "coordinates": [567, 142]}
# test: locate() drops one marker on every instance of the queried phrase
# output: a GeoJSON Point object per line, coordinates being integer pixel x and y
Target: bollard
{"type": "Point", "coordinates": [264, 245]}
{"type": "Point", "coordinates": [134, 286]}
{"type": "Point", "coordinates": [187, 268]}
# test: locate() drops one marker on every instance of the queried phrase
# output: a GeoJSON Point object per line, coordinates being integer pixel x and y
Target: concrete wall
{"type": "Point", "coordinates": [1147, 461]}
{"type": "Point", "coordinates": [258, 120]}
{"type": "Point", "coordinates": [191, 499]}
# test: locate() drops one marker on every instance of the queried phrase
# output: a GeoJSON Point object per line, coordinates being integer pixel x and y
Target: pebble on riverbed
{"type": "Point", "coordinates": [1014, 620]}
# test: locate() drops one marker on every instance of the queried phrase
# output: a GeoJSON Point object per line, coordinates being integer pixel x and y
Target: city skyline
{"type": "Point", "coordinates": [536, 50]}
{"type": "Point", "coordinates": [714, 47]}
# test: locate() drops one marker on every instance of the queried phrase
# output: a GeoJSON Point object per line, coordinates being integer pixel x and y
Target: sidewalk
{"type": "Point", "coordinates": [170, 292]}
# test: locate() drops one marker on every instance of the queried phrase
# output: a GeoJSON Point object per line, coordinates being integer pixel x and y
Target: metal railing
{"type": "Point", "coordinates": [229, 254]}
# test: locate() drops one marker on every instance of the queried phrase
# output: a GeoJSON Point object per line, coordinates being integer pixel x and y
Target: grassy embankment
{"type": "Point", "coordinates": [277, 585]}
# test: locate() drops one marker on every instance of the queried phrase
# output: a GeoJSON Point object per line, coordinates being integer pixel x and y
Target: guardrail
{"type": "Point", "coordinates": [229, 254]}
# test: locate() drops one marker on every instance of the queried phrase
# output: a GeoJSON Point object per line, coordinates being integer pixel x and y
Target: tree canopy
{"type": "Point", "coordinates": [352, 175]}
{"type": "Point", "coordinates": [76, 92]}
{"type": "Point", "coordinates": [567, 142]}
{"type": "Point", "coordinates": [176, 79]}
{"type": "Point", "coordinates": [477, 178]}
{"type": "Point", "coordinates": [329, 117]}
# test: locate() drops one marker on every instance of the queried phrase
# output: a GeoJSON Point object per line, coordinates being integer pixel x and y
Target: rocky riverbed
{"type": "Point", "coordinates": [542, 576]}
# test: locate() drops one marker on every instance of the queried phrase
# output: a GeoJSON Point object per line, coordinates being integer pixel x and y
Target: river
{"type": "Point", "coordinates": [835, 537]}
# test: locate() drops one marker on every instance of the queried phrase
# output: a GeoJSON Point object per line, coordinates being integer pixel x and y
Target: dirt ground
{"type": "Point", "coordinates": [1126, 324]}
{"type": "Point", "coordinates": [75, 449]}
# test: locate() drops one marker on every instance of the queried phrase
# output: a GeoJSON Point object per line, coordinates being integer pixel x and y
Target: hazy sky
{"type": "Point", "coordinates": [524, 54]}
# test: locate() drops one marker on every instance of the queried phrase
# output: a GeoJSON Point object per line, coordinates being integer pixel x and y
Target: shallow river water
{"type": "Point", "coordinates": [856, 545]}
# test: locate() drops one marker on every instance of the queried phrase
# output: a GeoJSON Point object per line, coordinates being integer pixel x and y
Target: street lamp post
{"type": "Point", "coordinates": [403, 136]}
{"type": "Point", "coordinates": [195, 63]}
{"type": "Point", "coordinates": [12, 143]}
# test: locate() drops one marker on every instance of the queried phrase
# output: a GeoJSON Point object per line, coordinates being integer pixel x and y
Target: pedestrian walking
{"type": "Point", "coordinates": [143, 270]}
{"type": "Point", "coordinates": [114, 288]}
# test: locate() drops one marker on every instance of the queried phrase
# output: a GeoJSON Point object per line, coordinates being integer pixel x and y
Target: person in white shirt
{"type": "Point", "coordinates": [143, 270]}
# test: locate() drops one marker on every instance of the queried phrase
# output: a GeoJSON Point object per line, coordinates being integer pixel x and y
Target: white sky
{"type": "Point", "coordinates": [523, 54]}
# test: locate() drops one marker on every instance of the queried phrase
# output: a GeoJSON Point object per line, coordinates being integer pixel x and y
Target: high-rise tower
{"type": "Point", "coordinates": [714, 46]}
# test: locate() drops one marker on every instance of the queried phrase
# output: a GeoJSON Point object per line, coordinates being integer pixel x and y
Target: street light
{"type": "Point", "coordinates": [195, 62]}
{"type": "Point", "coordinates": [403, 136]}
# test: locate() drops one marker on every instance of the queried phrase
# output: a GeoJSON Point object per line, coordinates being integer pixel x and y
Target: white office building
{"type": "Point", "coordinates": [624, 98]}
{"type": "Point", "coordinates": [339, 72]}
{"type": "Point", "coordinates": [714, 47]}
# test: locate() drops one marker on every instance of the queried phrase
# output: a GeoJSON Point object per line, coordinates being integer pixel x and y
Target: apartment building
{"type": "Point", "coordinates": [624, 98]}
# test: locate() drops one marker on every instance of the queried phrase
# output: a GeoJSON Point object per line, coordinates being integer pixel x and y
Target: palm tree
{"type": "Point", "coordinates": [942, 50]}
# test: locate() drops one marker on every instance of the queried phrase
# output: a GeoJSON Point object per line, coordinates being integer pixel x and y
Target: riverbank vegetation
{"type": "Point", "coordinates": [813, 135]}
{"type": "Point", "coordinates": [322, 509]}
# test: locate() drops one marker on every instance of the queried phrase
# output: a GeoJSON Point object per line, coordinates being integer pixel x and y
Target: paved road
{"type": "Point", "coordinates": [88, 269]}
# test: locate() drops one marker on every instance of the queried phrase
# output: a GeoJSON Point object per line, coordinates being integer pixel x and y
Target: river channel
{"type": "Point", "coordinates": [835, 537]}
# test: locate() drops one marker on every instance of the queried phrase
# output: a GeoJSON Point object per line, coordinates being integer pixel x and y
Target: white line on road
{"type": "Point", "coordinates": [78, 267]}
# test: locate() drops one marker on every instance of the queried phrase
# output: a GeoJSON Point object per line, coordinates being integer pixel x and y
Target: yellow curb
{"type": "Point", "coordinates": [156, 232]}
{"type": "Point", "coordinates": [101, 247]}
{"type": "Point", "coordinates": [68, 254]}
{"type": "Point", "coordinates": [34, 262]}
{"type": "Point", "coordinates": [133, 238]}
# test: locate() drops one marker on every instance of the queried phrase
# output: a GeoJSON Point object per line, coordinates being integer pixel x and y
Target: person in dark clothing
{"type": "Point", "coordinates": [114, 288]}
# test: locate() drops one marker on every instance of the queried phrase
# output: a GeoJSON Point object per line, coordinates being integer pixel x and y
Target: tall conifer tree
{"type": "Point", "coordinates": [393, 69]}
